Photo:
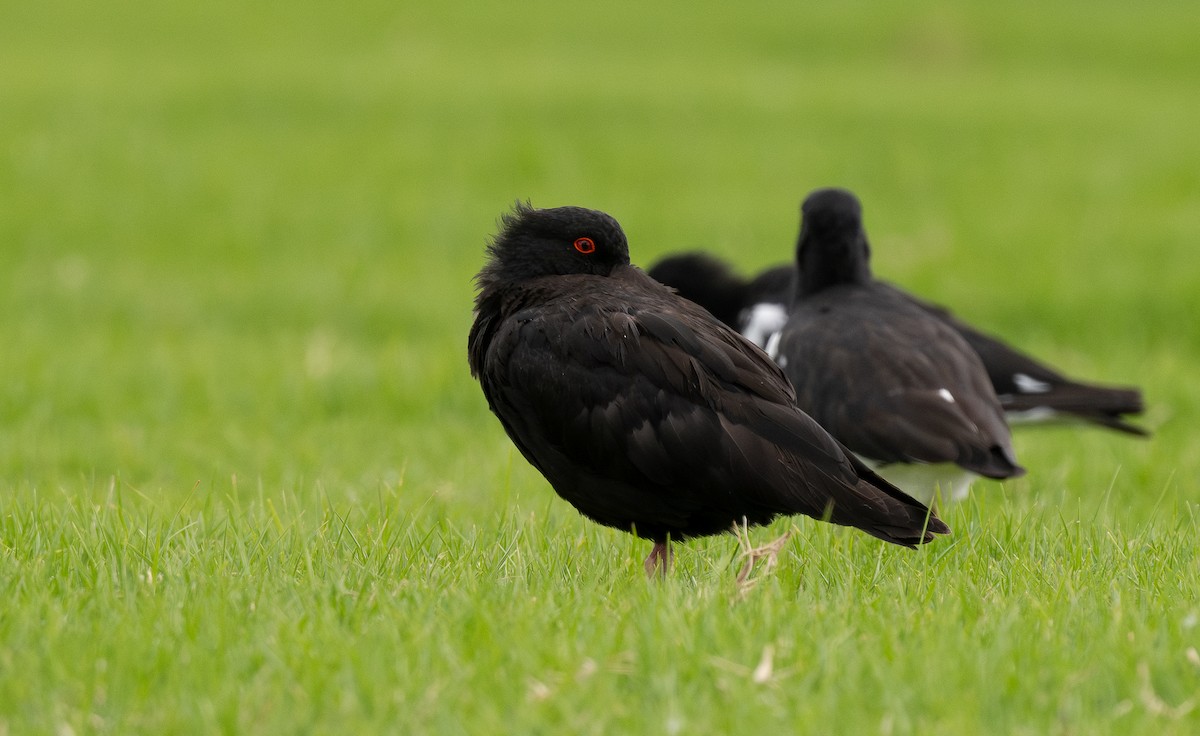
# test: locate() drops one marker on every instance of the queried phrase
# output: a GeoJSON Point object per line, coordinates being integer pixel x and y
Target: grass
{"type": "Point", "coordinates": [247, 485]}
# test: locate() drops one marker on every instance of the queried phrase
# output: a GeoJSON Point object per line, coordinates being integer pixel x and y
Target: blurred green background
{"type": "Point", "coordinates": [239, 239]}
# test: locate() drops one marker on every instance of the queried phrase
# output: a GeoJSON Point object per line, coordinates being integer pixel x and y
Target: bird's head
{"type": "Point", "coordinates": [832, 248]}
{"type": "Point", "coordinates": [557, 241]}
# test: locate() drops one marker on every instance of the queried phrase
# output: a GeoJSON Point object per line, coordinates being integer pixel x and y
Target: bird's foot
{"type": "Point", "coordinates": [659, 561]}
{"type": "Point", "coordinates": [751, 555]}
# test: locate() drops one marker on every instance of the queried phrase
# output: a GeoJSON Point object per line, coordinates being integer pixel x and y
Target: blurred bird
{"type": "Point", "coordinates": [895, 384]}
{"type": "Point", "coordinates": [1029, 390]}
{"type": "Point", "coordinates": [756, 308]}
{"type": "Point", "coordinates": [643, 411]}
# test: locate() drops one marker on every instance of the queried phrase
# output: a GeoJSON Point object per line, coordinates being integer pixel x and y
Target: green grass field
{"type": "Point", "coordinates": [247, 484]}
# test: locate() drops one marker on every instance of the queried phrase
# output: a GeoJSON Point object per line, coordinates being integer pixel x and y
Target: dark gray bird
{"type": "Point", "coordinates": [893, 383]}
{"type": "Point", "coordinates": [643, 411]}
{"type": "Point", "coordinates": [1029, 390]}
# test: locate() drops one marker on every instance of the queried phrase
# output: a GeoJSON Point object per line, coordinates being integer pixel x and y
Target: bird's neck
{"type": "Point", "coordinates": [824, 268]}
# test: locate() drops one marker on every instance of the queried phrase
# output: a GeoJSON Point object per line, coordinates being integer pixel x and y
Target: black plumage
{"type": "Point", "coordinates": [643, 411]}
{"type": "Point", "coordinates": [1028, 389]}
{"type": "Point", "coordinates": [711, 283]}
{"type": "Point", "coordinates": [893, 383]}
{"type": "Point", "coordinates": [755, 308]}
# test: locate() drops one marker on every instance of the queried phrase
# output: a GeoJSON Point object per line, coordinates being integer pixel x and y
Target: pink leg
{"type": "Point", "coordinates": [659, 561]}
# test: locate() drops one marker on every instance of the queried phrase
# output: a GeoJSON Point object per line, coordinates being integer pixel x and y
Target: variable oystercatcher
{"type": "Point", "coordinates": [1029, 390]}
{"type": "Point", "coordinates": [893, 383]}
{"type": "Point", "coordinates": [641, 409]}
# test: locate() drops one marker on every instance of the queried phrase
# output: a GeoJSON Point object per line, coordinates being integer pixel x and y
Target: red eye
{"type": "Point", "coordinates": [585, 245]}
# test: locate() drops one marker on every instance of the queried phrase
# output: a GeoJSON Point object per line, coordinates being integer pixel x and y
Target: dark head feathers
{"type": "Point", "coordinates": [552, 242]}
{"type": "Point", "coordinates": [832, 248]}
{"type": "Point", "coordinates": [825, 206]}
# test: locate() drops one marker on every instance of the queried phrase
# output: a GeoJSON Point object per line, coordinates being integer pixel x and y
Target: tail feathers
{"type": "Point", "coordinates": [887, 512]}
{"type": "Point", "coordinates": [1114, 422]}
{"type": "Point", "coordinates": [1101, 405]}
{"type": "Point", "coordinates": [1079, 397]}
{"type": "Point", "coordinates": [997, 462]}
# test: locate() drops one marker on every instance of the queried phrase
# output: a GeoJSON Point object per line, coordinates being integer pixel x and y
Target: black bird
{"type": "Point", "coordinates": [643, 411]}
{"type": "Point", "coordinates": [1028, 389]}
{"type": "Point", "coordinates": [898, 386]}
{"type": "Point", "coordinates": [756, 308]}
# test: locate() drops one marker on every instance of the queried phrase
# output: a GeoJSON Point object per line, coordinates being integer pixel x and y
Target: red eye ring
{"type": "Point", "coordinates": [585, 245]}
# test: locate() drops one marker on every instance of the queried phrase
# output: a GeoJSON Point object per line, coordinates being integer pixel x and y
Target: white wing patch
{"type": "Point", "coordinates": [1030, 385]}
{"type": "Point", "coordinates": [762, 321]}
{"type": "Point", "coordinates": [772, 346]}
{"type": "Point", "coordinates": [946, 395]}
